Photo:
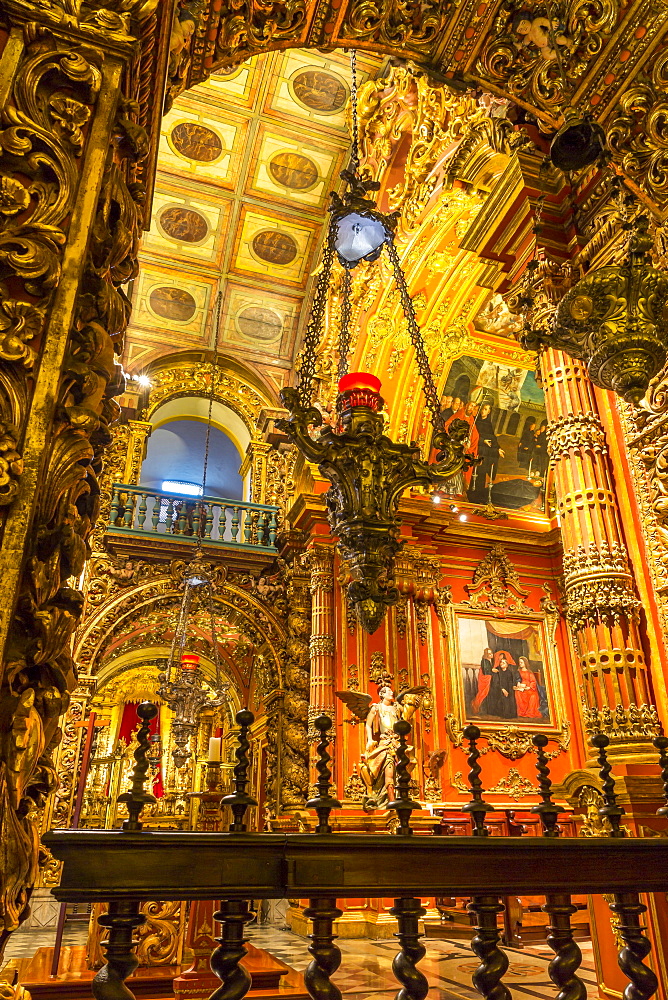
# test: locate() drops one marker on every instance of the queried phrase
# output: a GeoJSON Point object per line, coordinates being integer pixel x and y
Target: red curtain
{"type": "Point", "coordinates": [129, 723]}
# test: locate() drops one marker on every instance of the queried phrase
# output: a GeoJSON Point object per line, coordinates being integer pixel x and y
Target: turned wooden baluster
{"type": "Point", "coordinates": [567, 955]}
{"type": "Point", "coordinates": [326, 954]}
{"type": "Point", "coordinates": [124, 915]}
{"type": "Point", "coordinates": [323, 803]}
{"type": "Point", "coordinates": [235, 979]}
{"type": "Point", "coordinates": [485, 944]}
{"type": "Point", "coordinates": [626, 905]}
{"type": "Point", "coordinates": [239, 800]}
{"type": "Point", "coordinates": [661, 744]}
{"type": "Point", "coordinates": [408, 911]}
{"type": "Point", "coordinates": [477, 806]}
{"type": "Point", "coordinates": [122, 918]}
{"type": "Point", "coordinates": [137, 797]}
{"type": "Point", "coordinates": [642, 981]}
{"type": "Point", "coordinates": [547, 810]}
{"type": "Point", "coordinates": [402, 803]}
{"type": "Point", "coordinates": [609, 810]}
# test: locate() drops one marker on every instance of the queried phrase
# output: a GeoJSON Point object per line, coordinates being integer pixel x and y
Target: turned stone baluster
{"type": "Point", "coordinates": [155, 513]}
{"type": "Point", "coordinates": [141, 516]}
{"type": "Point", "coordinates": [661, 744]}
{"type": "Point", "coordinates": [642, 981]}
{"type": "Point", "coordinates": [221, 522]}
{"type": "Point", "coordinates": [485, 944]}
{"type": "Point", "coordinates": [273, 528]}
{"type": "Point", "coordinates": [235, 979]}
{"type": "Point", "coordinates": [547, 810]}
{"type": "Point", "coordinates": [402, 803]}
{"type": "Point", "coordinates": [239, 800]}
{"type": "Point", "coordinates": [477, 806]}
{"type": "Point", "coordinates": [567, 955]}
{"type": "Point", "coordinates": [208, 527]}
{"type": "Point", "coordinates": [129, 509]}
{"type": "Point", "coordinates": [169, 517]}
{"type": "Point", "coordinates": [181, 519]}
{"type": "Point", "coordinates": [115, 504]}
{"type": "Point", "coordinates": [197, 518]}
{"type": "Point", "coordinates": [121, 961]}
{"type": "Point", "coordinates": [408, 911]}
{"type": "Point", "coordinates": [609, 810]}
{"type": "Point", "coordinates": [323, 803]}
{"type": "Point", "coordinates": [326, 955]}
{"type": "Point", "coordinates": [235, 524]}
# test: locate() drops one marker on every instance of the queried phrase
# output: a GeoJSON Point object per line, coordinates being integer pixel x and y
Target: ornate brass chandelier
{"type": "Point", "coordinates": [368, 471]}
{"type": "Point", "coordinates": [182, 685]}
{"type": "Point", "coordinates": [615, 319]}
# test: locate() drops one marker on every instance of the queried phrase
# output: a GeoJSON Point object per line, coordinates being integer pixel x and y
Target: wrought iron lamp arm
{"type": "Point", "coordinates": [297, 425]}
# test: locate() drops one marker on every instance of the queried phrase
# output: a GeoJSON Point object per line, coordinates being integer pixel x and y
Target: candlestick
{"type": "Point", "coordinates": [215, 749]}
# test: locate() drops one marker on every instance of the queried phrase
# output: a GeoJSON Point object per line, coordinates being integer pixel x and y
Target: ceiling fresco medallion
{"type": "Point", "coordinates": [293, 170]}
{"type": "Point", "coordinates": [196, 142]}
{"type": "Point", "coordinates": [274, 247]}
{"type": "Point", "coordinates": [319, 91]}
{"type": "Point", "coordinates": [183, 224]}
{"type": "Point", "coordinates": [259, 323]}
{"type": "Point", "coordinates": [172, 303]}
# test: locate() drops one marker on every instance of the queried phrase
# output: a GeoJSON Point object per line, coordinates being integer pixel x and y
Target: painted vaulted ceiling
{"type": "Point", "coordinates": [246, 164]}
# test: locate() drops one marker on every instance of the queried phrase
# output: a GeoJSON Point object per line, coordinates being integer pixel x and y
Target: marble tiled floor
{"type": "Point", "coordinates": [366, 969]}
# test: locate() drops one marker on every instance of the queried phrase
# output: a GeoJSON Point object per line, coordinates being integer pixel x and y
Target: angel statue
{"type": "Point", "coordinates": [378, 763]}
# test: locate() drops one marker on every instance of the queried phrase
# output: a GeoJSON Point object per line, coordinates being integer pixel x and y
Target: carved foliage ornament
{"type": "Point", "coordinates": [511, 741]}
{"type": "Point", "coordinates": [530, 40]}
{"type": "Point", "coordinates": [496, 585]}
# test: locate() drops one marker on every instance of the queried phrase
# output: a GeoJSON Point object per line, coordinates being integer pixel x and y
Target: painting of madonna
{"type": "Point", "coordinates": [503, 672]}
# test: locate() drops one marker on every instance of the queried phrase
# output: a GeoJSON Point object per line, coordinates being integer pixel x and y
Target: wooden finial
{"type": "Point", "coordinates": [138, 797]}
{"type": "Point", "coordinates": [239, 800]}
{"type": "Point", "coordinates": [609, 810]}
{"type": "Point", "coordinates": [547, 810]}
{"type": "Point", "coordinates": [402, 803]}
{"type": "Point", "coordinates": [477, 806]}
{"type": "Point", "coordinates": [323, 803]}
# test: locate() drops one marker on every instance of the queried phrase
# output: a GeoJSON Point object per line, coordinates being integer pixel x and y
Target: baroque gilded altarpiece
{"type": "Point", "coordinates": [78, 89]}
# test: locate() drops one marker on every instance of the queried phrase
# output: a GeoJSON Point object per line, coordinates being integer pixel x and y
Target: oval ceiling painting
{"type": "Point", "coordinates": [196, 142]}
{"type": "Point", "coordinates": [293, 170]}
{"type": "Point", "coordinates": [274, 247]}
{"type": "Point", "coordinates": [321, 92]}
{"type": "Point", "coordinates": [172, 303]}
{"type": "Point", "coordinates": [184, 224]}
{"type": "Point", "coordinates": [259, 323]}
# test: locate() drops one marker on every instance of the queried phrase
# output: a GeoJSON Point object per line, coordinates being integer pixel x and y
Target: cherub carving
{"type": "Point", "coordinates": [378, 763]}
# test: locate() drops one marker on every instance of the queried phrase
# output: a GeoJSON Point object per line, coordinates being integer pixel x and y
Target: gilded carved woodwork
{"type": "Point", "coordinates": [510, 742]}
{"type": "Point", "coordinates": [599, 586]}
{"type": "Point", "coordinates": [496, 585]}
{"type": "Point", "coordinates": [159, 939]}
{"type": "Point", "coordinates": [512, 784]}
{"type": "Point", "coordinates": [523, 53]}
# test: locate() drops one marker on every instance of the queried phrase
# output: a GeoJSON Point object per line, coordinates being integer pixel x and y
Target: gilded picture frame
{"type": "Point", "coordinates": [504, 678]}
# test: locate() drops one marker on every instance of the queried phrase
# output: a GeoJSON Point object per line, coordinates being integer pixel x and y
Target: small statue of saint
{"type": "Point", "coordinates": [378, 762]}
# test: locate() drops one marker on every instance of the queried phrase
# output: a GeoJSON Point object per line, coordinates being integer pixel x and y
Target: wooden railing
{"type": "Point", "coordinates": [138, 511]}
{"type": "Point", "coordinates": [129, 866]}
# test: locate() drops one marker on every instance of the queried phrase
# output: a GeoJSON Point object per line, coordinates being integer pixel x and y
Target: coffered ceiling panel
{"type": "Point", "coordinates": [247, 161]}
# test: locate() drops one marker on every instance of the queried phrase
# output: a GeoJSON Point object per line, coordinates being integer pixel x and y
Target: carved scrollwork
{"type": "Point", "coordinates": [496, 584]}
{"type": "Point", "coordinates": [524, 52]}
{"type": "Point", "coordinates": [395, 24]}
{"type": "Point", "coordinates": [510, 741]}
{"type": "Point", "coordinates": [599, 586]}
{"type": "Point", "coordinates": [637, 132]}
{"type": "Point", "coordinates": [257, 24]}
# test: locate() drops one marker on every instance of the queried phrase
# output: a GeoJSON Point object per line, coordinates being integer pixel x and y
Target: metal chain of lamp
{"type": "Point", "coordinates": [182, 684]}
{"type": "Point", "coordinates": [368, 471]}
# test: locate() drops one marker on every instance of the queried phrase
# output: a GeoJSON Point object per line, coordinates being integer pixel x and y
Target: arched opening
{"type": "Point", "coordinates": [176, 449]}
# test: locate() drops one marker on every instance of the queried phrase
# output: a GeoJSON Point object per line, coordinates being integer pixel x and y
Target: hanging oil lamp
{"type": "Point", "coordinates": [368, 471]}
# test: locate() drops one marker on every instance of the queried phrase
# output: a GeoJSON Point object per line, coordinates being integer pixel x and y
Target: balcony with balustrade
{"type": "Point", "coordinates": [149, 522]}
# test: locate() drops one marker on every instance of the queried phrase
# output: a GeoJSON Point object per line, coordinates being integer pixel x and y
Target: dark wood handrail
{"type": "Point", "coordinates": [111, 864]}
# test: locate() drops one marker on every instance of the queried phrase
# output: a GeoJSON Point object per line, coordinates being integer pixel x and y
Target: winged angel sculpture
{"type": "Point", "coordinates": [378, 763]}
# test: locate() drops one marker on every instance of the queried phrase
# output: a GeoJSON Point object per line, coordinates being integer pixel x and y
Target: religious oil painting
{"type": "Point", "coordinates": [505, 409]}
{"type": "Point", "coordinates": [504, 672]}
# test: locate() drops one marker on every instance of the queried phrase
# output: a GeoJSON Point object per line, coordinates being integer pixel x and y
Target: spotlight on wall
{"type": "Point", "coordinates": [143, 381]}
{"type": "Point", "coordinates": [463, 517]}
{"type": "Point", "coordinates": [436, 498]}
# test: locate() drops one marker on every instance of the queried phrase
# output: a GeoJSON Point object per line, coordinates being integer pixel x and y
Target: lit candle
{"type": "Point", "coordinates": [215, 749]}
{"type": "Point", "coordinates": [359, 380]}
{"type": "Point", "coordinates": [189, 661]}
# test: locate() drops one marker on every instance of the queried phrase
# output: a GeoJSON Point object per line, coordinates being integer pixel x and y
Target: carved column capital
{"type": "Point", "coordinates": [580, 431]}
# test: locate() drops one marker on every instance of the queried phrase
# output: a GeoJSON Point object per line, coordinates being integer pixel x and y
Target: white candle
{"type": "Point", "coordinates": [215, 747]}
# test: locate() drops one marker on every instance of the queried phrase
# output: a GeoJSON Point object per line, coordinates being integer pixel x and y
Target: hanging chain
{"type": "Point", "coordinates": [316, 322]}
{"type": "Point", "coordinates": [345, 334]}
{"type": "Point", "coordinates": [179, 640]}
{"type": "Point", "coordinates": [430, 390]}
{"type": "Point", "coordinates": [354, 127]}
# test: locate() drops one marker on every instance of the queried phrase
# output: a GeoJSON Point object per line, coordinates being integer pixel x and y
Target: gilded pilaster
{"type": "Point", "coordinates": [601, 601]}
{"type": "Point", "coordinates": [139, 431]}
{"type": "Point", "coordinates": [321, 644]}
{"type": "Point", "coordinates": [254, 470]}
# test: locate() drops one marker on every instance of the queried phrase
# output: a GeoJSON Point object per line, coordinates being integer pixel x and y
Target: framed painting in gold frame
{"type": "Point", "coordinates": [503, 672]}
